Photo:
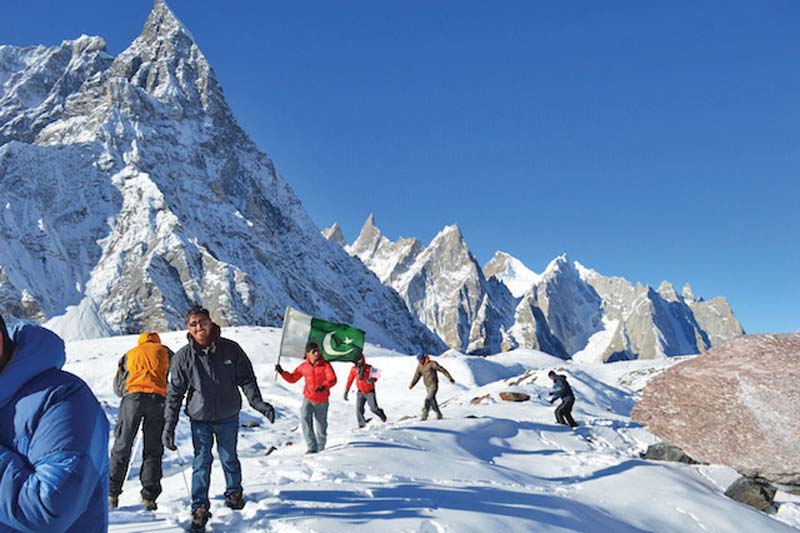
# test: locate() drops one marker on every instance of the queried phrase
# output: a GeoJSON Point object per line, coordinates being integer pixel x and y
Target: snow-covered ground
{"type": "Point", "coordinates": [490, 466]}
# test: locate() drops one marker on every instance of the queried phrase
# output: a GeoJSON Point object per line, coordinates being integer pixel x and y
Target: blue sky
{"type": "Point", "coordinates": [646, 141]}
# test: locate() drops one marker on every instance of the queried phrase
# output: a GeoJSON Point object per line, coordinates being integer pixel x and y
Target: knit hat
{"type": "Point", "coordinates": [421, 357]}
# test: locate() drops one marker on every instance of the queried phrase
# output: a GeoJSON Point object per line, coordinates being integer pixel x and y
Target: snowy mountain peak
{"type": "Point", "coordinates": [667, 291]}
{"type": "Point", "coordinates": [450, 236]}
{"type": "Point", "coordinates": [558, 265]}
{"type": "Point", "coordinates": [512, 272]}
{"type": "Point", "coordinates": [133, 193]}
{"type": "Point", "coordinates": [166, 63]}
{"type": "Point", "coordinates": [585, 272]}
{"type": "Point", "coordinates": [335, 234]}
{"type": "Point", "coordinates": [687, 293]}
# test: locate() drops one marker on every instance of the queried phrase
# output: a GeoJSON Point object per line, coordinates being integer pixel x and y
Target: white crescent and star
{"type": "Point", "coordinates": [328, 347]}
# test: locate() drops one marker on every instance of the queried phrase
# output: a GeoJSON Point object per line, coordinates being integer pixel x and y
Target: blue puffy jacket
{"type": "Point", "coordinates": [53, 441]}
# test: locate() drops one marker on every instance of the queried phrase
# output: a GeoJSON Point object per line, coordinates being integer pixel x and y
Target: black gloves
{"type": "Point", "coordinates": [452, 380]}
{"type": "Point", "coordinates": [345, 395]}
{"type": "Point", "coordinates": [278, 368]}
{"type": "Point", "coordinates": [320, 388]}
{"type": "Point", "coordinates": [168, 439]}
{"type": "Point", "coordinates": [267, 410]}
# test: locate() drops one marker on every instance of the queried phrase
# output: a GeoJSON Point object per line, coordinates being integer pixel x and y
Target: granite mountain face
{"type": "Point", "coordinates": [568, 310]}
{"type": "Point", "coordinates": [129, 192]}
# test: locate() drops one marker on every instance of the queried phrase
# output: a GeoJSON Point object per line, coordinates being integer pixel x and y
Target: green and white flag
{"type": "Point", "coordinates": [337, 342]}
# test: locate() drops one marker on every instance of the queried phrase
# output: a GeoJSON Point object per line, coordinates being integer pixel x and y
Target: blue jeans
{"type": "Point", "coordinates": [203, 433]}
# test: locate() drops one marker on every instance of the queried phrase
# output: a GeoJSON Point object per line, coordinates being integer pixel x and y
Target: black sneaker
{"type": "Point", "coordinates": [235, 500]}
{"type": "Point", "coordinates": [199, 518]}
{"type": "Point", "coordinates": [149, 505]}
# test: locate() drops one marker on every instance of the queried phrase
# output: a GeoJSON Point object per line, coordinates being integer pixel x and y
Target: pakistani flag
{"type": "Point", "coordinates": [337, 342]}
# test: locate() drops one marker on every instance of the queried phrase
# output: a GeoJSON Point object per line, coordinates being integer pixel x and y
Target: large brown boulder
{"type": "Point", "coordinates": [735, 405]}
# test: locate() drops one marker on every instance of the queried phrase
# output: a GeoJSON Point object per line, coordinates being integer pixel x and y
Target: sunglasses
{"type": "Point", "coordinates": [196, 323]}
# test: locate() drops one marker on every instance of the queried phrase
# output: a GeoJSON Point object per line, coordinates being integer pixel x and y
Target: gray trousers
{"type": "Point", "coordinates": [369, 399]}
{"type": "Point", "coordinates": [311, 413]}
{"type": "Point", "coordinates": [430, 402]}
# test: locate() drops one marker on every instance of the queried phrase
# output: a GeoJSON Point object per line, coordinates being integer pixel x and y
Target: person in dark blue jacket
{"type": "Point", "coordinates": [53, 439]}
{"type": "Point", "coordinates": [562, 390]}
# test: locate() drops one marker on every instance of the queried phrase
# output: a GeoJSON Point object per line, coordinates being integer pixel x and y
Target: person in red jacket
{"type": "Point", "coordinates": [320, 377]}
{"type": "Point", "coordinates": [365, 383]}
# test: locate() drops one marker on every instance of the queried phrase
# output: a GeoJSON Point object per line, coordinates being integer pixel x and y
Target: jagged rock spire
{"type": "Point", "coordinates": [165, 61]}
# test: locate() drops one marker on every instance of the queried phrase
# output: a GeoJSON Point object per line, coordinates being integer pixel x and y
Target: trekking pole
{"type": "Point", "coordinates": [183, 473]}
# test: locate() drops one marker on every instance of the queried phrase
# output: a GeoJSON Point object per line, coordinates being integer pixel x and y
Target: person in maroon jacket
{"type": "Point", "coordinates": [320, 377]}
{"type": "Point", "coordinates": [365, 383]}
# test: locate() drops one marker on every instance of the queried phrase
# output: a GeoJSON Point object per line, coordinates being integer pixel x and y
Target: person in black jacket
{"type": "Point", "coordinates": [562, 390]}
{"type": "Point", "coordinates": [211, 370]}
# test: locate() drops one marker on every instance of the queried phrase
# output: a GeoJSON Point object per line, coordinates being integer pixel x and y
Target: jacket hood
{"type": "Point", "coordinates": [149, 336]}
{"type": "Point", "coordinates": [37, 350]}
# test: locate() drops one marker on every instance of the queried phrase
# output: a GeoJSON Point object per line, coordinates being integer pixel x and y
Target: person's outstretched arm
{"type": "Point", "coordinates": [246, 379]}
{"type": "Point", "coordinates": [417, 375]}
{"type": "Point", "coordinates": [52, 486]}
{"type": "Point", "coordinates": [444, 371]}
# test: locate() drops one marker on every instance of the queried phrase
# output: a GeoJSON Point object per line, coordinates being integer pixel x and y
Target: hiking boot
{"type": "Point", "coordinates": [149, 505]}
{"type": "Point", "coordinates": [424, 416]}
{"type": "Point", "coordinates": [438, 416]}
{"type": "Point", "coordinates": [199, 518]}
{"type": "Point", "coordinates": [382, 416]}
{"type": "Point", "coordinates": [113, 502]}
{"type": "Point", "coordinates": [235, 500]}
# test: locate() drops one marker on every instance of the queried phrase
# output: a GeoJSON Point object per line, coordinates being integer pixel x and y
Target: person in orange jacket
{"type": "Point", "coordinates": [141, 381]}
{"type": "Point", "coordinates": [365, 383]}
{"type": "Point", "coordinates": [319, 378]}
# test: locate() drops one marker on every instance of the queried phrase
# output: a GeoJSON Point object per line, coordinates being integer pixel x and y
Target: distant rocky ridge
{"type": "Point", "coordinates": [568, 310]}
{"type": "Point", "coordinates": [129, 192]}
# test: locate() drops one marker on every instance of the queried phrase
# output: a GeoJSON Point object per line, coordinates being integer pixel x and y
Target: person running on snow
{"type": "Point", "coordinates": [365, 383]}
{"type": "Point", "coordinates": [562, 390]}
{"type": "Point", "coordinates": [319, 378]}
{"type": "Point", "coordinates": [212, 369]}
{"type": "Point", "coordinates": [427, 369]}
{"type": "Point", "coordinates": [141, 382]}
{"type": "Point", "coordinates": [53, 439]}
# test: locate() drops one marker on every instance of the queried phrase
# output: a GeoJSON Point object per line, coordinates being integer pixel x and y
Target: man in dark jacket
{"type": "Point", "coordinates": [427, 370]}
{"type": "Point", "coordinates": [211, 369]}
{"type": "Point", "coordinates": [562, 390]}
{"type": "Point", "coordinates": [141, 382]}
{"type": "Point", "coordinates": [53, 439]}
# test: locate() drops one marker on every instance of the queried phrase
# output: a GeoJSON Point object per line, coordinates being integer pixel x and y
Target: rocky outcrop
{"type": "Point", "coordinates": [734, 405]}
{"type": "Point", "coordinates": [753, 491]}
{"type": "Point", "coordinates": [661, 451]}
{"type": "Point", "coordinates": [515, 396]}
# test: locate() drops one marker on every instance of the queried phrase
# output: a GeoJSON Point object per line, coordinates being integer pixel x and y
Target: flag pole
{"type": "Point", "coordinates": [283, 334]}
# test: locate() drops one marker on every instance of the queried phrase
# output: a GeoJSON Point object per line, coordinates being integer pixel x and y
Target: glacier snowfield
{"type": "Point", "coordinates": [490, 466]}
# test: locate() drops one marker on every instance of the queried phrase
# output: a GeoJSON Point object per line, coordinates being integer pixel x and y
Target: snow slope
{"type": "Point", "coordinates": [491, 466]}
